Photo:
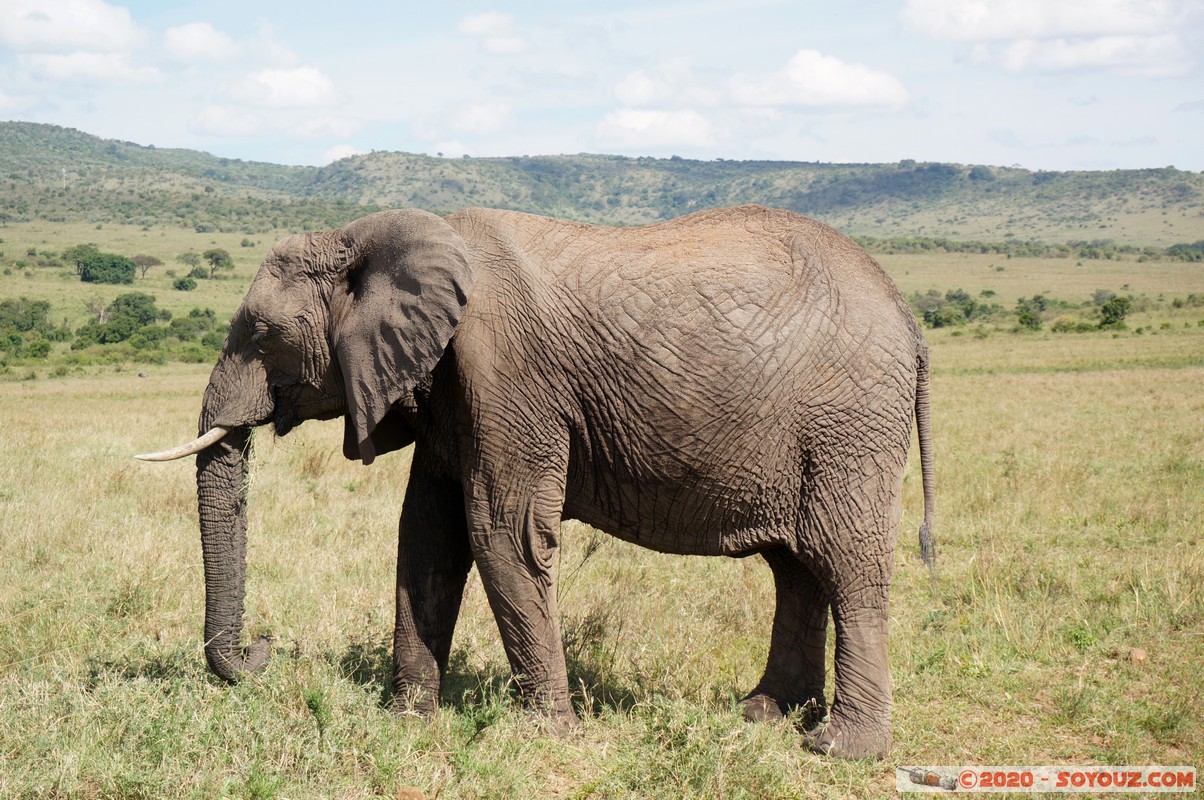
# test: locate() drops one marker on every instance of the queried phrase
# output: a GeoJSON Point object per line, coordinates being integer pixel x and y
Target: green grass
{"type": "Point", "coordinates": [68, 295]}
{"type": "Point", "coordinates": [1065, 279]}
{"type": "Point", "coordinates": [1070, 469]}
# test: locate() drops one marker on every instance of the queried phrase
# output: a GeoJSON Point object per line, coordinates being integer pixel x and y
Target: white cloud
{"type": "Point", "coordinates": [483, 119]}
{"type": "Point", "coordinates": [64, 26]}
{"type": "Point", "coordinates": [490, 23]}
{"type": "Point", "coordinates": [811, 78]}
{"type": "Point", "coordinates": [987, 20]}
{"type": "Point", "coordinates": [1141, 55]}
{"type": "Point", "coordinates": [495, 31]}
{"type": "Point", "coordinates": [88, 68]}
{"type": "Point", "coordinates": [1135, 37]}
{"type": "Point", "coordinates": [198, 41]}
{"type": "Point", "coordinates": [669, 83]}
{"type": "Point", "coordinates": [646, 129]}
{"type": "Point", "coordinates": [226, 121]}
{"type": "Point", "coordinates": [325, 128]}
{"type": "Point", "coordinates": [302, 87]}
{"type": "Point", "coordinates": [504, 45]}
{"type": "Point", "coordinates": [340, 151]}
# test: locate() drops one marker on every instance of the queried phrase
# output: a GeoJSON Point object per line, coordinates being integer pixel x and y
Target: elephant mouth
{"type": "Point", "coordinates": [284, 422]}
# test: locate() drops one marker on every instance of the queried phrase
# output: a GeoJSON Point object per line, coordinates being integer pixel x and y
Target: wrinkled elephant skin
{"type": "Point", "coordinates": [734, 382]}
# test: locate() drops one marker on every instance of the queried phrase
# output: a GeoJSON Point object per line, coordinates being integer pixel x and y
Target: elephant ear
{"type": "Point", "coordinates": [407, 283]}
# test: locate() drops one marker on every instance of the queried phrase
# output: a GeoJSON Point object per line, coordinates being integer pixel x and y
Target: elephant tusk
{"type": "Point", "coordinates": [213, 436]}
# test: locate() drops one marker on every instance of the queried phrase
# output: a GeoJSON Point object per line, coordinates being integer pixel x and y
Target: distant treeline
{"type": "Point", "coordinates": [1098, 249]}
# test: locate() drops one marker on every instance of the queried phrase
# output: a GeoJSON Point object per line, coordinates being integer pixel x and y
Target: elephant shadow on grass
{"type": "Point", "coordinates": [589, 646]}
{"type": "Point", "coordinates": [167, 666]}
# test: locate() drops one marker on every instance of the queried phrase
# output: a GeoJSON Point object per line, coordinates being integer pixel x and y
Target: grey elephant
{"type": "Point", "coordinates": [732, 382]}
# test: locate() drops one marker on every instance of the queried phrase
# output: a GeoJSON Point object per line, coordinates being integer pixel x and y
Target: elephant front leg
{"type": "Point", "coordinates": [433, 559]}
{"type": "Point", "coordinates": [515, 533]}
{"type": "Point", "coordinates": [794, 672]}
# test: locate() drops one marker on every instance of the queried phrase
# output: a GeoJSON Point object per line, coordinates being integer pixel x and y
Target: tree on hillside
{"type": "Point", "coordinates": [190, 259]}
{"type": "Point", "coordinates": [79, 254]}
{"type": "Point", "coordinates": [144, 263]}
{"type": "Point", "coordinates": [218, 259]}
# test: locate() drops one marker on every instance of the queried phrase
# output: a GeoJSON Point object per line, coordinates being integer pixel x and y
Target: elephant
{"type": "Point", "coordinates": [732, 382]}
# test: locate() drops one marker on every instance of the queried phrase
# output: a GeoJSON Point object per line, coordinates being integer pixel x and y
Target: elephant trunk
{"type": "Point", "coordinates": [221, 479]}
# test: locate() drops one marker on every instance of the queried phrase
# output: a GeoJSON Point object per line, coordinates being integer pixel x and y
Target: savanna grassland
{"type": "Point", "coordinates": [1070, 472]}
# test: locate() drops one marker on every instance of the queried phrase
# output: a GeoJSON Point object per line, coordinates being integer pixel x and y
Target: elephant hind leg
{"type": "Point", "coordinates": [794, 671]}
{"type": "Point", "coordinates": [857, 514]}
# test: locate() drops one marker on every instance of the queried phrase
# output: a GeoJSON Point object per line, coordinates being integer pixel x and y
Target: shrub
{"type": "Point", "coordinates": [107, 268]}
{"type": "Point", "coordinates": [24, 314]}
{"type": "Point", "coordinates": [37, 349]}
{"type": "Point", "coordinates": [944, 316]}
{"type": "Point", "coordinates": [184, 284]}
{"type": "Point", "coordinates": [1070, 324]}
{"type": "Point", "coordinates": [117, 329]}
{"type": "Point", "coordinates": [955, 307]}
{"type": "Point", "coordinates": [138, 305]}
{"type": "Point", "coordinates": [1113, 312]}
{"type": "Point", "coordinates": [195, 354]}
{"type": "Point", "coordinates": [1028, 312]}
{"type": "Point", "coordinates": [199, 273]}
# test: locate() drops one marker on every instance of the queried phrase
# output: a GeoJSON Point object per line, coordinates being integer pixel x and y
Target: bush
{"type": "Point", "coordinates": [1113, 312]}
{"type": "Point", "coordinates": [955, 307]}
{"type": "Point", "coordinates": [184, 284]}
{"type": "Point", "coordinates": [944, 316]}
{"type": "Point", "coordinates": [1028, 312]}
{"type": "Point", "coordinates": [195, 354]}
{"type": "Point", "coordinates": [199, 273]}
{"type": "Point", "coordinates": [117, 329]}
{"type": "Point", "coordinates": [24, 314]}
{"type": "Point", "coordinates": [138, 305]}
{"type": "Point", "coordinates": [107, 268]}
{"type": "Point", "coordinates": [1071, 324]}
{"type": "Point", "coordinates": [37, 349]}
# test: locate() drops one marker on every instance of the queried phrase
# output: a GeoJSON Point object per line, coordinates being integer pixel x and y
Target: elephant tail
{"type": "Point", "coordinates": [924, 430]}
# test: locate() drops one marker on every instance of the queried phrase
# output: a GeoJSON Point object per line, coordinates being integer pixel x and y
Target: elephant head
{"type": "Point", "coordinates": [342, 323]}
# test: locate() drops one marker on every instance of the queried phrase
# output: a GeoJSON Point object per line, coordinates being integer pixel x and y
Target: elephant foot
{"type": "Point", "coordinates": [413, 701]}
{"type": "Point", "coordinates": [760, 707]}
{"type": "Point", "coordinates": [556, 724]}
{"type": "Point", "coordinates": [834, 739]}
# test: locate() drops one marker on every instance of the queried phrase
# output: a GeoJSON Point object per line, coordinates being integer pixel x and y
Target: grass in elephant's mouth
{"type": "Point", "coordinates": [1069, 518]}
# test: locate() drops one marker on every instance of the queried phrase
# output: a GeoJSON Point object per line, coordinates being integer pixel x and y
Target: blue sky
{"type": "Point", "coordinates": [1046, 84]}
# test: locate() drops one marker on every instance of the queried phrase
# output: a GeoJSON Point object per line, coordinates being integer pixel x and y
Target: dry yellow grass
{"type": "Point", "coordinates": [1070, 470]}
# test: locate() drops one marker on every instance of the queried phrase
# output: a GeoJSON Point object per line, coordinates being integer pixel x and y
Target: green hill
{"type": "Point", "coordinates": [59, 174]}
